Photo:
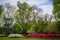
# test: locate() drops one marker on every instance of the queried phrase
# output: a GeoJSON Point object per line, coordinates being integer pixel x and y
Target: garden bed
{"type": "Point", "coordinates": [43, 35]}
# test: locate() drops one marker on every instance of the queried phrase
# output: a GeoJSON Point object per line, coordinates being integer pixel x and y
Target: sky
{"type": "Point", "coordinates": [46, 5]}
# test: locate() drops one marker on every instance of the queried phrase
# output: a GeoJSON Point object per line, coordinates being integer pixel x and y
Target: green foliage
{"type": "Point", "coordinates": [1, 30]}
{"type": "Point", "coordinates": [24, 11]}
{"type": "Point", "coordinates": [37, 27]}
{"type": "Point", "coordinates": [17, 29]}
{"type": "Point", "coordinates": [40, 26]}
{"type": "Point", "coordinates": [52, 28]}
{"type": "Point", "coordinates": [56, 12]}
{"type": "Point", "coordinates": [1, 9]}
{"type": "Point", "coordinates": [23, 23]}
{"type": "Point", "coordinates": [23, 14]}
{"type": "Point", "coordinates": [58, 25]}
{"type": "Point", "coordinates": [31, 29]}
{"type": "Point", "coordinates": [56, 8]}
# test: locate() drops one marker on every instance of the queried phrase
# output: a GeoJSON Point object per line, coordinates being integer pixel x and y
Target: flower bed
{"type": "Point", "coordinates": [43, 35]}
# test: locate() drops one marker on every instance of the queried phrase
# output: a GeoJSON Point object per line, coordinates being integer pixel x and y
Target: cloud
{"type": "Point", "coordinates": [30, 2]}
{"type": "Point", "coordinates": [47, 8]}
{"type": "Point", "coordinates": [34, 2]}
{"type": "Point", "coordinates": [46, 5]}
{"type": "Point", "coordinates": [14, 0]}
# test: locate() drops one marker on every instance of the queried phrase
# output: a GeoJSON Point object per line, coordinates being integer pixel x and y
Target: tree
{"type": "Point", "coordinates": [40, 26]}
{"type": "Point", "coordinates": [24, 11]}
{"type": "Point", "coordinates": [31, 28]}
{"type": "Point", "coordinates": [56, 11]}
{"type": "Point", "coordinates": [17, 29]}
{"type": "Point", "coordinates": [1, 12]}
{"type": "Point", "coordinates": [36, 14]}
{"type": "Point", "coordinates": [1, 9]}
{"type": "Point", "coordinates": [52, 28]}
{"type": "Point", "coordinates": [56, 4]}
{"type": "Point", "coordinates": [8, 19]}
{"type": "Point", "coordinates": [9, 10]}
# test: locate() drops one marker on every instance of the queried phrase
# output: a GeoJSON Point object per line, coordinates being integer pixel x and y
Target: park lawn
{"type": "Point", "coordinates": [6, 38]}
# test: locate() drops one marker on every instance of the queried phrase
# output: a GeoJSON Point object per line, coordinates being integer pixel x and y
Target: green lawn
{"type": "Point", "coordinates": [6, 38]}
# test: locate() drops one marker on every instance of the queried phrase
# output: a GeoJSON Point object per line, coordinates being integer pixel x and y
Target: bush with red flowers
{"type": "Point", "coordinates": [43, 35]}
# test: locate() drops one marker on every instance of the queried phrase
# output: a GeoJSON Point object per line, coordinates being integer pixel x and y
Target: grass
{"type": "Point", "coordinates": [6, 38]}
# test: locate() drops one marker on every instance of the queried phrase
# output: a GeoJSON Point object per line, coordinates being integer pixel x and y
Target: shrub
{"type": "Point", "coordinates": [17, 28]}
{"type": "Point", "coordinates": [52, 28]}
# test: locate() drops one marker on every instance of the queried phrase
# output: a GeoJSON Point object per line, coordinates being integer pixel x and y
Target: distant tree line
{"type": "Point", "coordinates": [28, 19]}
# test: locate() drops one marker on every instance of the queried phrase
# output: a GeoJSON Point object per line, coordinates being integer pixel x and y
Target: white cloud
{"type": "Point", "coordinates": [34, 2]}
{"type": "Point", "coordinates": [47, 8]}
{"type": "Point", "coordinates": [30, 2]}
{"type": "Point", "coordinates": [13, 2]}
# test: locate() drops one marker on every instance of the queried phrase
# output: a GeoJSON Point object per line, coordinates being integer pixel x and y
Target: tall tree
{"type": "Point", "coordinates": [9, 10]}
{"type": "Point", "coordinates": [8, 19]}
{"type": "Point", "coordinates": [56, 11]}
{"type": "Point", "coordinates": [1, 9]}
{"type": "Point", "coordinates": [24, 11]}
